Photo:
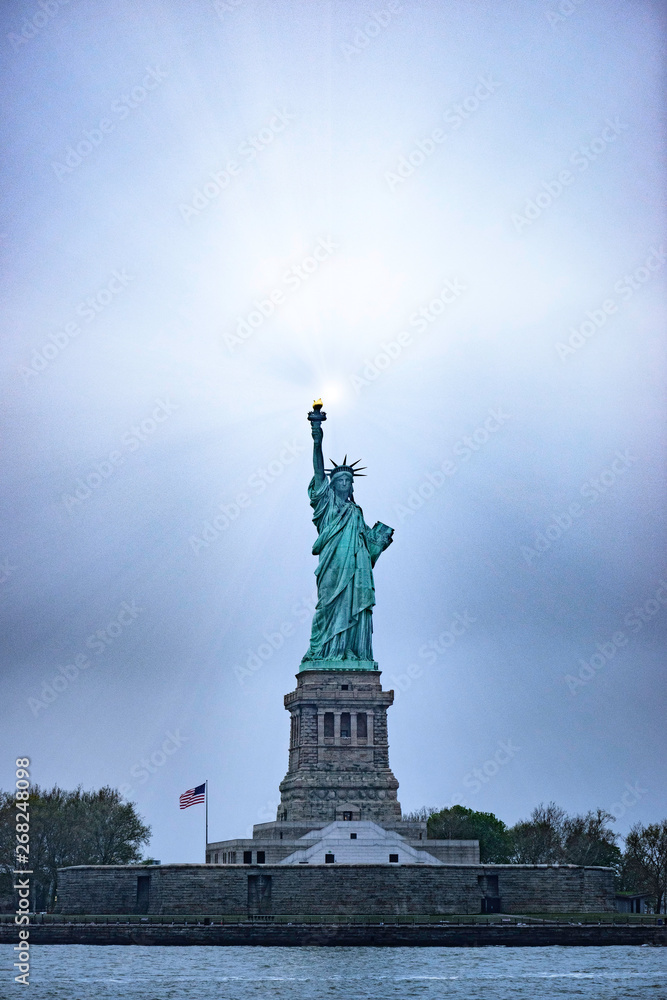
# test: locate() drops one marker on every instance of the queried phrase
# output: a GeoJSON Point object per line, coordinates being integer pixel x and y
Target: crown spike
{"type": "Point", "coordinates": [344, 467]}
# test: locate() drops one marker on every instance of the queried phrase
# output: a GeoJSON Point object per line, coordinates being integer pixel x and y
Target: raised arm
{"type": "Point", "coordinates": [318, 457]}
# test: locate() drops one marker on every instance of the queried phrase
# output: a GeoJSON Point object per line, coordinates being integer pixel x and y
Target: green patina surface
{"type": "Point", "coordinates": [342, 630]}
{"type": "Point", "coordinates": [338, 665]}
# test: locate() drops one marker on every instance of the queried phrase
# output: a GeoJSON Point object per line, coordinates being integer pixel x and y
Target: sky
{"type": "Point", "coordinates": [447, 220]}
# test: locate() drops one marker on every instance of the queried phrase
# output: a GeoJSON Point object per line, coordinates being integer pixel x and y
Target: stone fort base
{"type": "Point", "coordinates": [265, 890]}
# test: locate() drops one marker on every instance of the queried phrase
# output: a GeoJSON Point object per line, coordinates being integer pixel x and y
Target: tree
{"type": "Point", "coordinates": [7, 848]}
{"type": "Point", "coordinates": [645, 861]}
{"type": "Point", "coordinates": [460, 823]}
{"type": "Point", "coordinates": [539, 840]}
{"type": "Point", "coordinates": [70, 828]}
{"type": "Point", "coordinates": [551, 837]}
{"type": "Point", "coordinates": [588, 840]}
{"type": "Point", "coordinates": [420, 815]}
{"type": "Point", "coordinates": [113, 829]}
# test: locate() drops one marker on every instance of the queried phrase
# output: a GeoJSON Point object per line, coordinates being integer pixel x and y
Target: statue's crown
{"type": "Point", "coordinates": [344, 467]}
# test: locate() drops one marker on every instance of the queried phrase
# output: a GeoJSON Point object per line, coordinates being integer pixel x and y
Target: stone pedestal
{"type": "Point", "coordinates": [339, 753]}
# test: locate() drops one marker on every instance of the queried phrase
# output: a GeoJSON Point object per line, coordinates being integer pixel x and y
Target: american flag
{"type": "Point", "coordinates": [193, 796]}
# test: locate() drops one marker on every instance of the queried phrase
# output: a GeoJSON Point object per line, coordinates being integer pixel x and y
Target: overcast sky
{"type": "Point", "coordinates": [447, 220]}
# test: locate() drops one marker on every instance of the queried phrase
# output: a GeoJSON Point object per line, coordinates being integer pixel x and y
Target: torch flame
{"type": "Point", "coordinates": [317, 404]}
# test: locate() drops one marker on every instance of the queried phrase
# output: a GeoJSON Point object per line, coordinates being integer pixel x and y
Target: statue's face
{"type": "Point", "coordinates": [342, 485]}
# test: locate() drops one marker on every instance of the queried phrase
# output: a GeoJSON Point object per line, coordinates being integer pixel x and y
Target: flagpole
{"type": "Point", "coordinates": [206, 801]}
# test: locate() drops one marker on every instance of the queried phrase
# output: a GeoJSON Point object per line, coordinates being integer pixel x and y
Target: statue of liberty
{"type": "Point", "coordinates": [348, 549]}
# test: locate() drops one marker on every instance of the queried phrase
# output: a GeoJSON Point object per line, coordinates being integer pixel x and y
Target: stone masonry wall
{"type": "Point", "coordinates": [331, 774]}
{"type": "Point", "coordinates": [334, 889]}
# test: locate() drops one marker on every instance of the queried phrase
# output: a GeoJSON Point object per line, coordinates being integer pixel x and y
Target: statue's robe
{"type": "Point", "coordinates": [342, 624]}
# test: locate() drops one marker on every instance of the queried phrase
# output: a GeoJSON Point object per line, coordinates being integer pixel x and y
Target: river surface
{"type": "Point", "coordinates": [129, 972]}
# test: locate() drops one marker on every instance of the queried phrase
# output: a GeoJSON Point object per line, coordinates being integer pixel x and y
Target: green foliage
{"type": "Point", "coordinates": [70, 828]}
{"type": "Point", "coordinates": [645, 862]}
{"type": "Point", "coordinates": [550, 836]}
{"type": "Point", "coordinates": [539, 840]}
{"type": "Point", "coordinates": [588, 840]}
{"type": "Point", "coordinates": [460, 823]}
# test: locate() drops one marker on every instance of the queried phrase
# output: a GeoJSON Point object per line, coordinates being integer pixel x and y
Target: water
{"type": "Point", "coordinates": [90, 972]}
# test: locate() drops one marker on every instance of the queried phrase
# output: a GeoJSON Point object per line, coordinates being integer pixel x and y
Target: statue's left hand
{"type": "Point", "coordinates": [380, 538]}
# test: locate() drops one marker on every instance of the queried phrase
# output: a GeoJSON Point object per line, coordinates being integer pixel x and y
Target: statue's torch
{"type": "Point", "coordinates": [317, 414]}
